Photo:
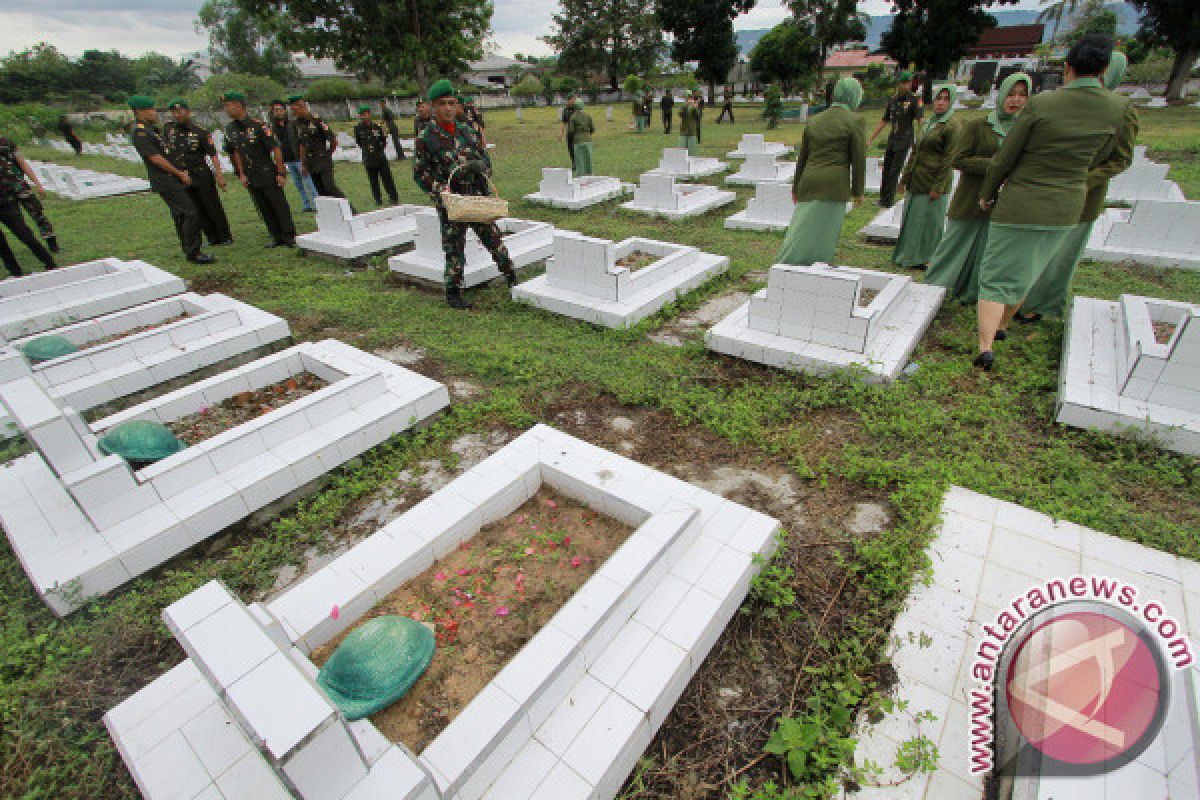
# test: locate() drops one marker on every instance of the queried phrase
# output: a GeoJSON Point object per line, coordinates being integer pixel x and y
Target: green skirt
{"type": "Point", "coordinates": [583, 159]}
{"type": "Point", "coordinates": [689, 142]}
{"type": "Point", "coordinates": [1015, 258]}
{"type": "Point", "coordinates": [812, 236]}
{"type": "Point", "coordinates": [955, 263]}
{"type": "Point", "coordinates": [1049, 294]}
{"type": "Point", "coordinates": [921, 230]}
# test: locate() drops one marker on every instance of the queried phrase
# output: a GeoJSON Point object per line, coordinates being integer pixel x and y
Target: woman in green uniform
{"type": "Point", "coordinates": [580, 129]}
{"type": "Point", "coordinates": [1049, 294]}
{"type": "Point", "coordinates": [831, 167]}
{"type": "Point", "coordinates": [1043, 167]}
{"type": "Point", "coordinates": [955, 263]}
{"type": "Point", "coordinates": [926, 178]}
{"type": "Point", "coordinates": [689, 125]}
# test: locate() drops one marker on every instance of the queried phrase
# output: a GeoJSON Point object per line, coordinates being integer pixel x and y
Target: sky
{"type": "Point", "coordinates": [166, 26]}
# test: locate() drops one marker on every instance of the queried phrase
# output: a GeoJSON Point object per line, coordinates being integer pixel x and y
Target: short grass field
{"type": "Point", "coordinates": [810, 641]}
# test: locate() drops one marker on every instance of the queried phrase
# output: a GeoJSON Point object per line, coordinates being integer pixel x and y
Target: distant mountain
{"type": "Point", "coordinates": [1127, 23]}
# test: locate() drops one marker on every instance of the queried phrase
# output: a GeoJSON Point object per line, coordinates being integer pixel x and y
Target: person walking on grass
{"type": "Point", "coordinates": [13, 170]}
{"type": "Point", "coordinates": [636, 108]}
{"type": "Point", "coordinates": [902, 111]}
{"type": "Point", "coordinates": [955, 263]}
{"type": "Point", "coordinates": [1036, 186]}
{"type": "Point", "coordinates": [831, 169]}
{"type": "Point", "coordinates": [564, 131]}
{"type": "Point", "coordinates": [581, 129]}
{"type": "Point", "coordinates": [285, 134]}
{"type": "Point", "coordinates": [927, 178]}
{"type": "Point", "coordinates": [689, 125]}
{"type": "Point", "coordinates": [317, 146]}
{"type": "Point", "coordinates": [726, 110]}
{"type": "Point", "coordinates": [259, 164]}
{"type": "Point", "coordinates": [451, 158]}
{"type": "Point", "coordinates": [389, 122]}
{"type": "Point", "coordinates": [190, 148]}
{"type": "Point", "coordinates": [667, 104]}
{"type": "Point", "coordinates": [29, 196]}
{"type": "Point", "coordinates": [372, 139]}
{"type": "Point", "coordinates": [68, 132]}
{"type": "Point", "coordinates": [1049, 295]}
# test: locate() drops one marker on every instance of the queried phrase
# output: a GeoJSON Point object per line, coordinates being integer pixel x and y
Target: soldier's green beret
{"type": "Point", "coordinates": [364, 108]}
{"type": "Point", "coordinates": [140, 102]}
{"type": "Point", "coordinates": [440, 89]}
{"type": "Point", "coordinates": [295, 98]}
{"type": "Point", "coordinates": [904, 75]}
{"type": "Point", "coordinates": [234, 97]}
{"type": "Point", "coordinates": [178, 102]}
{"type": "Point", "coordinates": [470, 101]}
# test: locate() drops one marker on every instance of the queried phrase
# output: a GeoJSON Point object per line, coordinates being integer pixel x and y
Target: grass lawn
{"type": "Point", "coordinates": [811, 451]}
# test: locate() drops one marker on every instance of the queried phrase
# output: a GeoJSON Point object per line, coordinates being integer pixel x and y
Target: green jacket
{"type": "Point", "coordinates": [928, 168]}
{"type": "Point", "coordinates": [971, 150]}
{"type": "Point", "coordinates": [1044, 162]}
{"type": "Point", "coordinates": [580, 127]}
{"type": "Point", "coordinates": [832, 162]}
{"type": "Point", "coordinates": [689, 121]}
{"type": "Point", "coordinates": [1117, 162]}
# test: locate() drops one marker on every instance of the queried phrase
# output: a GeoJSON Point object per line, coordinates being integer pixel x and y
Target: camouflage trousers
{"type": "Point", "coordinates": [37, 212]}
{"type": "Point", "coordinates": [454, 245]}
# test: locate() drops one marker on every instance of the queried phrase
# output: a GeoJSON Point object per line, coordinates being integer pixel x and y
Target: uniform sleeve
{"type": "Point", "coordinates": [911, 163]}
{"type": "Point", "coordinates": [145, 144]}
{"type": "Point", "coordinates": [228, 148]}
{"type": "Point", "coordinates": [423, 172]}
{"type": "Point", "coordinates": [887, 111]}
{"type": "Point", "coordinates": [962, 147]}
{"type": "Point", "coordinates": [360, 137]}
{"type": "Point", "coordinates": [206, 143]}
{"type": "Point", "coordinates": [858, 157]}
{"type": "Point", "coordinates": [328, 133]}
{"type": "Point", "coordinates": [1121, 155]}
{"type": "Point", "coordinates": [1005, 160]}
{"type": "Point", "coordinates": [801, 160]}
{"type": "Point", "coordinates": [945, 169]}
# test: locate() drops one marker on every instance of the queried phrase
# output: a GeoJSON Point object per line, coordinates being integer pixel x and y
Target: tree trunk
{"type": "Point", "coordinates": [414, 16]}
{"type": "Point", "coordinates": [1177, 84]}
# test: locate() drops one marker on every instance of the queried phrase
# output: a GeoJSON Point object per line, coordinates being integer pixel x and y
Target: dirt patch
{"type": "Point", "coordinates": [243, 407]}
{"type": "Point", "coordinates": [1163, 331]}
{"type": "Point", "coordinates": [133, 332]}
{"type": "Point", "coordinates": [403, 355]}
{"type": "Point", "coordinates": [865, 296]}
{"type": "Point", "coordinates": [712, 311]}
{"type": "Point", "coordinates": [637, 260]}
{"type": "Point", "coordinates": [486, 600]}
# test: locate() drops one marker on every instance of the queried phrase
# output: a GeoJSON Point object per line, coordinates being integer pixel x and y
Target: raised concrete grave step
{"type": "Point", "coordinates": [343, 234]}
{"type": "Point", "coordinates": [85, 184]}
{"type": "Point", "coordinates": [770, 209]}
{"type": "Point", "coordinates": [752, 144]}
{"type": "Point", "coordinates": [528, 242]}
{"type": "Point", "coordinates": [677, 163]}
{"type": "Point", "coordinates": [565, 719]}
{"type": "Point", "coordinates": [658, 194]}
{"type": "Point", "coordinates": [760, 168]}
{"type": "Point", "coordinates": [55, 298]}
{"type": "Point", "coordinates": [560, 190]}
{"type": "Point", "coordinates": [1144, 181]}
{"type": "Point", "coordinates": [82, 523]}
{"type": "Point", "coordinates": [1160, 233]}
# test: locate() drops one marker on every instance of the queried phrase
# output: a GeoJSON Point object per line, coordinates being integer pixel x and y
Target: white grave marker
{"type": "Point", "coordinates": [343, 234]}
{"type": "Point", "coordinates": [527, 243]}
{"type": "Point", "coordinates": [559, 189]}
{"type": "Point", "coordinates": [770, 209]}
{"type": "Point", "coordinates": [658, 194]}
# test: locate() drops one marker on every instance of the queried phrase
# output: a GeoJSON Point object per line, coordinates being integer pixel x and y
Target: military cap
{"type": "Point", "coordinates": [295, 98]}
{"type": "Point", "coordinates": [905, 75]}
{"type": "Point", "coordinates": [234, 97]}
{"type": "Point", "coordinates": [469, 101]}
{"type": "Point", "coordinates": [364, 108]}
{"type": "Point", "coordinates": [140, 102]}
{"type": "Point", "coordinates": [440, 89]}
{"type": "Point", "coordinates": [178, 102]}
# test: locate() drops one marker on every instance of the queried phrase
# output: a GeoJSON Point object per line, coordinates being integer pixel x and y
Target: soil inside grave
{"type": "Point", "coordinates": [865, 296]}
{"type": "Point", "coordinates": [637, 260]}
{"type": "Point", "coordinates": [243, 407]}
{"type": "Point", "coordinates": [485, 600]}
{"type": "Point", "coordinates": [1163, 331]}
{"type": "Point", "coordinates": [134, 331]}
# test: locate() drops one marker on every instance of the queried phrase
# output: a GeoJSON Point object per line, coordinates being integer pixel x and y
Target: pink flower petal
{"type": "Point", "coordinates": [441, 576]}
{"type": "Point", "coordinates": [566, 541]}
{"type": "Point", "coordinates": [335, 613]}
{"type": "Point", "coordinates": [576, 561]}
{"type": "Point", "coordinates": [551, 504]}
{"type": "Point", "coordinates": [529, 551]}
{"type": "Point", "coordinates": [501, 611]}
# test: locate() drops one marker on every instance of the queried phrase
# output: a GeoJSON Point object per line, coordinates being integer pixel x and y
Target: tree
{"type": "Point", "coordinates": [1095, 18]}
{"type": "Point", "coordinates": [787, 53]}
{"type": "Point", "coordinates": [34, 74]}
{"type": "Point", "coordinates": [529, 88]}
{"type": "Point", "coordinates": [107, 73]}
{"type": "Point", "coordinates": [384, 38]}
{"type": "Point", "coordinates": [1056, 11]}
{"type": "Point", "coordinates": [1174, 24]}
{"type": "Point", "coordinates": [241, 41]}
{"type": "Point", "coordinates": [832, 22]}
{"type": "Point", "coordinates": [702, 31]}
{"type": "Point", "coordinates": [157, 74]}
{"type": "Point", "coordinates": [614, 37]}
{"type": "Point", "coordinates": [634, 85]}
{"type": "Point", "coordinates": [773, 106]}
{"type": "Point", "coordinates": [259, 90]}
{"type": "Point", "coordinates": [934, 34]}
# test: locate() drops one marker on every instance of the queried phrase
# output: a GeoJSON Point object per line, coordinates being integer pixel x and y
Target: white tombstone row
{"type": "Point", "coordinates": [559, 189]}
{"type": "Point", "coordinates": [1155, 232]}
{"type": "Point", "coordinates": [762, 167]}
{"type": "Point", "coordinates": [1133, 365]}
{"type": "Point", "coordinates": [343, 234]}
{"type": "Point", "coordinates": [84, 184]}
{"type": "Point", "coordinates": [1144, 181]}
{"type": "Point", "coordinates": [818, 319]}
{"type": "Point", "coordinates": [527, 242]}
{"type": "Point", "coordinates": [658, 194]}
{"type": "Point", "coordinates": [677, 163]}
{"type": "Point", "coordinates": [585, 279]}
{"type": "Point", "coordinates": [770, 209]}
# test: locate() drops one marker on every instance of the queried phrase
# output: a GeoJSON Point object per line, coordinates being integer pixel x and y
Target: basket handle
{"type": "Point", "coordinates": [453, 172]}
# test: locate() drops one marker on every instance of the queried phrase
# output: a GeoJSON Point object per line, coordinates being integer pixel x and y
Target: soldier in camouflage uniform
{"type": "Point", "coordinates": [190, 147]}
{"type": "Point", "coordinates": [32, 204]}
{"type": "Point", "coordinates": [450, 157]}
{"type": "Point", "coordinates": [372, 141]}
{"type": "Point", "coordinates": [259, 164]}
{"type": "Point", "coordinates": [317, 144]}
{"type": "Point", "coordinates": [13, 171]}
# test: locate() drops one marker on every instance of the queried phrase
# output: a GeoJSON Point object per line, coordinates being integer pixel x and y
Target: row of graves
{"type": "Point", "coordinates": [74, 183]}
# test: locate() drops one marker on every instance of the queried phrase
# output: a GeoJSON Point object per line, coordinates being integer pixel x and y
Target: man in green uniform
{"type": "Point", "coordinates": [475, 118]}
{"type": "Point", "coordinates": [667, 104]}
{"type": "Point", "coordinates": [636, 109]}
{"type": "Point", "coordinates": [372, 141]}
{"type": "Point", "coordinates": [727, 109]}
{"type": "Point", "coordinates": [317, 145]}
{"type": "Point", "coordinates": [68, 132]}
{"type": "Point", "coordinates": [190, 148]}
{"type": "Point", "coordinates": [450, 157]}
{"type": "Point", "coordinates": [1037, 183]}
{"type": "Point", "coordinates": [699, 95]}
{"type": "Point", "coordinates": [903, 109]}
{"type": "Point", "coordinates": [167, 180]}
{"type": "Point", "coordinates": [565, 132]}
{"type": "Point", "coordinates": [689, 125]}
{"type": "Point", "coordinates": [13, 170]}
{"type": "Point", "coordinates": [259, 163]}
{"type": "Point", "coordinates": [30, 199]}
{"type": "Point", "coordinates": [580, 129]}
{"type": "Point", "coordinates": [389, 122]}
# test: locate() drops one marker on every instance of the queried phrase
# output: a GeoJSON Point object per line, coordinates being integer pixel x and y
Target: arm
{"type": "Point", "coordinates": [945, 166]}
{"type": "Point", "coordinates": [1006, 158]}
{"type": "Point", "coordinates": [858, 160]}
{"type": "Point", "coordinates": [210, 150]}
{"type": "Point", "coordinates": [801, 163]}
{"type": "Point", "coordinates": [962, 149]}
{"type": "Point", "coordinates": [167, 167]}
{"type": "Point", "coordinates": [887, 117]}
{"type": "Point", "coordinates": [330, 137]}
{"type": "Point", "coordinates": [1122, 153]}
{"type": "Point", "coordinates": [24, 165]}
{"type": "Point", "coordinates": [423, 170]}
{"type": "Point", "coordinates": [277, 155]}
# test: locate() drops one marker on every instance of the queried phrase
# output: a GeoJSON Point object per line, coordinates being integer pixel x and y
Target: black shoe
{"type": "Point", "coordinates": [455, 299]}
{"type": "Point", "coordinates": [984, 361]}
{"type": "Point", "coordinates": [201, 258]}
{"type": "Point", "coordinates": [1000, 336]}
{"type": "Point", "coordinates": [278, 243]}
{"type": "Point", "coordinates": [1028, 319]}
{"type": "Point", "coordinates": [52, 244]}
{"type": "Point", "coordinates": [511, 279]}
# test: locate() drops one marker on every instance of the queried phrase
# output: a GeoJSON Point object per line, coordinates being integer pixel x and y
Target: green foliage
{"type": "Point", "coordinates": [242, 42]}
{"type": "Point", "coordinates": [612, 37]}
{"type": "Point", "coordinates": [34, 74]}
{"type": "Point", "coordinates": [702, 31]}
{"type": "Point", "coordinates": [162, 77]}
{"type": "Point", "coordinates": [528, 88]}
{"type": "Point", "coordinates": [815, 745]}
{"type": "Point", "coordinates": [1174, 24]}
{"type": "Point", "coordinates": [934, 34]}
{"type": "Point", "coordinates": [41, 73]}
{"type": "Point", "coordinates": [22, 122]}
{"type": "Point", "coordinates": [773, 106]}
{"type": "Point", "coordinates": [831, 22]}
{"type": "Point", "coordinates": [787, 53]}
{"type": "Point", "coordinates": [259, 90]}
{"type": "Point", "coordinates": [330, 89]}
{"type": "Point", "coordinates": [772, 586]}
{"type": "Point", "coordinates": [1095, 18]}
{"type": "Point", "coordinates": [633, 85]}
{"type": "Point", "coordinates": [1153, 68]}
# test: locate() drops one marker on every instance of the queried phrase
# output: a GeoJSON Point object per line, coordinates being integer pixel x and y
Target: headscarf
{"type": "Point", "coordinates": [847, 93]}
{"type": "Point", "coordinates": [1115, 72]}
{"type": "Point", "coordinates": [1000, 120]}
{"type": "Point", "coordinates": [935, 119]}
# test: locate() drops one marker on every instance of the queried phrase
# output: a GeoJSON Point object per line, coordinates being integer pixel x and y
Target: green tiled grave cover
{"type": "Point", "coordinates": [140, 440]}
{"type": "Point", "coordinates": [45, 348]}
{"type": "Point", "coordinates": [376, 665]}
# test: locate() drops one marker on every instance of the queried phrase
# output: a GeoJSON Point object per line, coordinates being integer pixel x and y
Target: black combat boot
{"type": "Point", "coordinates": [510, 278]}
{"type": "Point", "coordinates": [52, 244]}
{"type": "Point", "coordinates": [455, 299]}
